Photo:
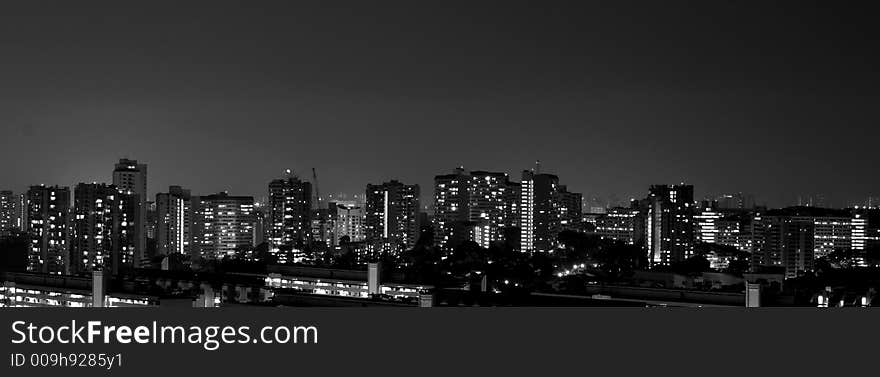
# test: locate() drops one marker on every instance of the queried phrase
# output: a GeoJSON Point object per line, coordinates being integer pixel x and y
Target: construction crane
{"type": "Point", "coordinates": [316, 209]}
{"type": "Point", "coordinates": [317, 198]}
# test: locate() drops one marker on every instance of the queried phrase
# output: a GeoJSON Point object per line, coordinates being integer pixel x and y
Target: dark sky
{"type": "Point", "coordinates": [778, 100]}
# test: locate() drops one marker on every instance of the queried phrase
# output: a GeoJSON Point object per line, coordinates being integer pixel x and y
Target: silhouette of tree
{"type": "Point", "coordinates": [739, 264]}
{"type": "Point", "coordinates": [693, 265]}
{"type": "Point", "coordinates": [618, 259]}
{"type": "Point", "coordinates": [13, 252]}
{"type": "Point", "coordinates": [872, 255]}
{"type": "Point", "coordinates": [576, 246]}
{"type": "Point", "coordinates": [841, 258]}
{"type": "Point", "coordinates": [262, 255]}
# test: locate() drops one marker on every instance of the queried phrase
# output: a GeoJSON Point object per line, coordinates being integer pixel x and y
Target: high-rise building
{"type": "Point", "coordinates": [103, 231]}
{"type": "Point", "coordinates": [131, 177]}
{"type": "Point", "coordinates": [451, 208]}
{"type": "Point", "coordinates": [621, 224]}
{"type": "Point", "coordinates": [21, 212]}
{"type": "Point", "coordinates": [152, 223]}
{"type": "Point", "coordinates": [479, 206]}
{"type": "Point", "coordinates": [391, 217]}
{"type": "Point", "coordinates": [48, 214]}
{"type": "Point", "coordinates": [859, 234]}
{"type": "Point", "coordinates": [834, 233]}
{"type": "Point", "coordinates": [866, 232]}
{"type": "Point", "coordinates": [174, 221]}
{"type": "Point", "coordinates": [546, 208]}
{"type": "Point", "coordinates": [290, 211]}
{"type": "Point", "coordinates": [736, 201]}
{"type": "Point", "coordinates": [347, 219]}
{"type": "Point", "coordinates": [706, 222]}
{"type": "Point", "coordinates": [734, 230]}
{"type": "Point", "coordinates": [797, 244]}
{"type": "Point", "coordinates": [570, 209]}
{"type": "Point", "coordinates": [811, 200]}
{"type": "Point", "coordinates": [794, 237]}
{"type": "Point", "coordinates": [788, 242]}
{"type": "Point", "coordinates": [261, 223]}
{"type": "Point", "coordinates": [321, 235]}
{"type": "Point", "coordinates": [512, 203]}
{"type": "Point", "coordinates": [492, 203]}
{"type": "Point", "coordinates": [224, 225]}
{"type": "Point", "coordinates": [8, 213]}
{"type": "Point", "coordinates": [760, 232]}
{"type": "Point", "coordinates": [670, 223]}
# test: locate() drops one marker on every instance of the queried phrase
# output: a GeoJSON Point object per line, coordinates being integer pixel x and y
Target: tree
{"type": "Point", "coordinates": [466, 258]}
{"type": "Point", "coordinates": [422, 262]}
{"type": "Point", "coordinates": [618, 259]}
{"type": "Point", "coordinates": [740, 263]}
{"type": "Point", "coordinates": [693, 265]}
{"type": "Point", "coordinates": [576, 246]}
{"type": "Point", "coordinates": [872, 255]}
{"type": "Point", "coordinates": [177, 261]}
{"type": "Point", "coordinates": [262, 255]}
{"type": "Point", "coordinates": [13, 252]}
{"type": "Point", "coordinates": [841, 258]}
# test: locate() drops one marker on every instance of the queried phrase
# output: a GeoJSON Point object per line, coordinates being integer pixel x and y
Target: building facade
{"type": "Point", "coordinates": [174, 222]}
{"type": "Point", "coordinates": [103, 231]}
{"type": "Point", "coordinates": [48, 214]}
{"type": "Point", "coordinates": [8, 213]}
{"type": "Point", "coordinates": [736, 201]}
{"type": "Point", "coordinates": [131, 177]}
{"type": "Point", "coordinates": [734, 230]}
{"type": "Point", "coordinates": [540, 218]}
{"type": "Point", "coordinates": [546, 208]}
{"type": "Point", "coordinates": [392, 214]}
{"type": "Point", "coordinates": [793, 238]}
{"type": "Point", "coordinates": [571, 209]}
{"type": "Point", "coordinates": [452, 209]}
{"type": "Point", "coordinates": [492, 206]}
{"type": "Point", "coordinates": [347, 219]}
{"type": "Point", "coordinates": [290, 211]}
{"type": "Point", "coordinates": [224, 225]}
{"type": "Point", "coordinates": [706, 223]}
{"type": "Point", "coordinates": [670, 224]}
{"type": "Point", "coordinates": [621, 224]}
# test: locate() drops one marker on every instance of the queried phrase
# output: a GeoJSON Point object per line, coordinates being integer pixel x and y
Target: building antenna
{"type": "Point", "coordinates": [537, 166]}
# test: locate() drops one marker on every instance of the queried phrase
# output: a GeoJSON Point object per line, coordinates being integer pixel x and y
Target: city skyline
{"type": "Point", "coordinates": [110, 224]}
{"type": "Point", "coordinates": [728, 98]}
{"type": "Point", "coordinates": [479, 218]}
{"type": "Point", "coordinates": [588, 201]}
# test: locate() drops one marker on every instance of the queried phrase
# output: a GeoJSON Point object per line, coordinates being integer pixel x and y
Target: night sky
{"type": "Point", "coordinates": [775, 100]}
